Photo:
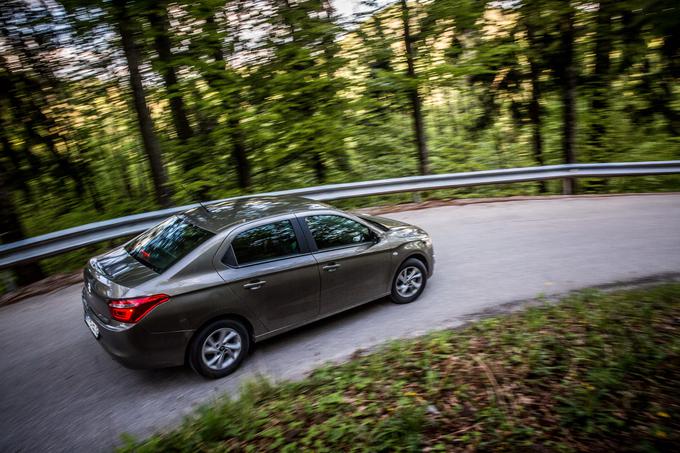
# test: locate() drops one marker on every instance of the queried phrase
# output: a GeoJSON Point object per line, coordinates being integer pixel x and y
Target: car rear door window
{"type": "Point", "coordinates": [165, 244]}
{"type": "Point", "coordinates": [332, 231]}
{"type": "Point", "coordinates": [266, 242]}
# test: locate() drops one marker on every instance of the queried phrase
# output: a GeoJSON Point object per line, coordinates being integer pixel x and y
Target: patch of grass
{"type": "Point", "coordinates": [595, 372]}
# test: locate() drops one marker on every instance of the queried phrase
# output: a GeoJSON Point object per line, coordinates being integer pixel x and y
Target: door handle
{"type": "Point", "coordinates": [331, 267]}
{"type": "Point", "coordinates": [254, 285]}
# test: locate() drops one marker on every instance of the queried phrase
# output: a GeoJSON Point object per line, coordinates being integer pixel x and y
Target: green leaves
{"type": "Point", "coordinates": [594, 371]}
{"type": "Point", "coordinates": [260, 95]}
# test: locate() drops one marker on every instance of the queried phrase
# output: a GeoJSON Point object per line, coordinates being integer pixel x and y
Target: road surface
{"type": "Point", "coordinates": [61, 392]}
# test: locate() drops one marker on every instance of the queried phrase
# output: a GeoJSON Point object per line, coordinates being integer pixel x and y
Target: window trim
{"type": "Point", "coordinates": [229, 251]}
{"type": "Point", "coordinates": [310, 237]}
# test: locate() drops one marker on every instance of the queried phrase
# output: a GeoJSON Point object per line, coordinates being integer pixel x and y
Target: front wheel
{"type": "Point", "coordinates": [409, 282]}
{"type": "Point", "coordinates": [219, 348]}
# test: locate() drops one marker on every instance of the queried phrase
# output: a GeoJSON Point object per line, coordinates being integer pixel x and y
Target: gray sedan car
{"type": "Point", "coordinates": [201, 287]}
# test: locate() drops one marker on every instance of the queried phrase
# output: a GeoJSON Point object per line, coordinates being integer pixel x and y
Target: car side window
{"type": "Point", "coordinates": [265, 242]}
{"type": "Point", "coordinates": [330, 231]}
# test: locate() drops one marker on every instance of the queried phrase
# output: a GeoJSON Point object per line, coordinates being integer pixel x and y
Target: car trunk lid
{"type": "Point", "coordinates": [111, 276]}
{"type": "Point", "coordinates": [120, 267]}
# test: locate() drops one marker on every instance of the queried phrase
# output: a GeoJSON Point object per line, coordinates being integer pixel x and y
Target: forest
{"type": "Point", "coordinates": [114, 107]}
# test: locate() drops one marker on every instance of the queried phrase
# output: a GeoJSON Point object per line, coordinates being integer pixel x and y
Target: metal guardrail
{"type": "Point", "coordinates": [57, 242]}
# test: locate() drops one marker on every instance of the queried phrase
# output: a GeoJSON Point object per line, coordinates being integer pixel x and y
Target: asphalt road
{"type": "Point", "coordinates": [61, 392]}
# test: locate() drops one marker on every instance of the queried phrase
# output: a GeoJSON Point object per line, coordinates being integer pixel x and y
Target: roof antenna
{"type": "Point", "coordinates": [204, 207]}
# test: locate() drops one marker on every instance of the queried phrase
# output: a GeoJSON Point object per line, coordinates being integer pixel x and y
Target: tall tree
{"type": "Point", "coordinates": [297, 86]}
{"type": "Point", "coordinates": [599, 81]}
{"type": "Point", "coordinates": [530, 18]}
{"type": "Point", "coordinates": [567, 71]}
{"type": "Point", "coordinates": [11, 229]}
{"type": "Point", "coordinates": [414, 95]}
{"type": "Point", "coordinates": [231, 85]}
{"type": "Point", "coordinates": [656, 72]}
{"type": "Point", "coordinates": [127, 27]}
{"type": "Point", "coordinates": [160, 25]}
{"type": "Point", "coordinates": [597, 149]}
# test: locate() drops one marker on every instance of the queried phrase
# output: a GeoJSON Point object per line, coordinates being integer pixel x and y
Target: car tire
{"type": "Point", "coordinates": [409, 281]}
{"type": "Point", "coordinates": [219, 348]}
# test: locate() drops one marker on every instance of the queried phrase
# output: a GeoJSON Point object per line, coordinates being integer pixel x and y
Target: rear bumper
{"type": "Point", "coordinates": [136, 347]}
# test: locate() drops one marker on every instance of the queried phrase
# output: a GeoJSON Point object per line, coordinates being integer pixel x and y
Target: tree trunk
{"type": "Point", "coordinates": [126, 27]}
{"type": "Point", "coordinates": [600, 82]}
{"type": "Point", "coordinates": [124, 175]}
{"type": "Point", "coordinates": [568, 93]}
{"type": "Point", "coordinates": [11, 230]}
{"type": "Point", "coordinates": [64, 164]}
{"type": "Point", "coordinates": [319, 167]}
{"type": "Point", "coordinates": [20, 176]}
{"type": "Point", "coordinates": [158, 18]}
{"type": "Point", "coordinates": [238, 149]}
{"type": "Point", "coordinates": [217, 80]}
{"type": "Point", "coordinates": [535, 103]}
{"type": "Point", "coordinates": [414, 96]}
{"type": "Point", "coordinates": [32, 117]}
{"type": "Point", "coordinates": [599, 87]}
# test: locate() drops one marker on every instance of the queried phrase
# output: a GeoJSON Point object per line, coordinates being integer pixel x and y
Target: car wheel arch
{"type": "Point", "coordinates": [227, 316]}
{"type": "Point", "coordinates": [420, 257]}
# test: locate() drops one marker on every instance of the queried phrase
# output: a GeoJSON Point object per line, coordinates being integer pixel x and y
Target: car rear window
{"type": "Point", "coordinates": [165, 244]}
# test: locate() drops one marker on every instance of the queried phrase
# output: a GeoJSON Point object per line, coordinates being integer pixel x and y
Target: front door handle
{"type": "Point", "coordinates": [332, 267]}
{"type": "Point", "coordinates": [254, 285]}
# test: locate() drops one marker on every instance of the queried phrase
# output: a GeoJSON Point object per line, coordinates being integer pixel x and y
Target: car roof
{"type": "Point", "coordinates": [218, 216]}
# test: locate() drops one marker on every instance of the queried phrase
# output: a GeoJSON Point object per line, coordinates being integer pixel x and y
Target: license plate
{"type": "Point", "coordinates": [92, 325]}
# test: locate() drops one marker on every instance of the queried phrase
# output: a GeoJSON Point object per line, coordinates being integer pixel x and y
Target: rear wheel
{"type": "Point", "coordinates": [409, 282]}
{"type": "Point", "coordinates": [219, 348]}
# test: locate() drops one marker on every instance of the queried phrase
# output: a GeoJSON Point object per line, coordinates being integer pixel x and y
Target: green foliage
{"type": "Point", "coordinates": [257, 95]}
{"type": "Point", "coordinates": [594, 372]}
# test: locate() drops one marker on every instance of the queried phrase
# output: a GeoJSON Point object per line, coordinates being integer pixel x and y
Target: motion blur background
{"type": "Point", "coordinates": [116, 107]}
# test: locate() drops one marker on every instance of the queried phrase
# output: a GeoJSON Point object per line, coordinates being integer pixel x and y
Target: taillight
{"type": "Point", "coordinates": [132, 310]}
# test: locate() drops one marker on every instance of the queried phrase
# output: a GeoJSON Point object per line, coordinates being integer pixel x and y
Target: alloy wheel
{"type": "Point", "coordinates": [409, 281]}
{"type": "Point", "coordinates": [221, 348]}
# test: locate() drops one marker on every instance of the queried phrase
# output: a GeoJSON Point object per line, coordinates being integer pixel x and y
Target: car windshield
{"type": "Point", "coordinates": [165, 244]}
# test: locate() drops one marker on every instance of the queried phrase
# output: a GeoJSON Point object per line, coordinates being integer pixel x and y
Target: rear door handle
{"type": "Point", "coordinates": [254, 285]}
{"type": "Point", "coordinates": [331, 267]}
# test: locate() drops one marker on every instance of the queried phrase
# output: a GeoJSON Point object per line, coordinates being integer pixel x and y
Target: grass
{"type": "Point", "coordinates": [596, 372]}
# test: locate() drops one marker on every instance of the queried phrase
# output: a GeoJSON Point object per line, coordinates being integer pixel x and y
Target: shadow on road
{"type": "Point", "coordinates": [170, 377]}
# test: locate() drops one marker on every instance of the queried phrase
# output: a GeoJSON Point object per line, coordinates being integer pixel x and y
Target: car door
{"type": "Point", "coordinates": [352, 265]}
{"type": "Point", "coordinates": [268, 266]}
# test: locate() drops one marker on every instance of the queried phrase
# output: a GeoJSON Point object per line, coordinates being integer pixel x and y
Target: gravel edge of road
{"type": "Point", "coordinates": [42, 287]}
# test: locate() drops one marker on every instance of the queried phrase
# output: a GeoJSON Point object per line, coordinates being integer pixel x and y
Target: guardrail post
{"type": "Point", "coordinates": [569, 184]}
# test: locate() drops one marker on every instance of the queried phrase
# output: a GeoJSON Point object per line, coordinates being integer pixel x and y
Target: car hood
{"type": "Point", "coordinates": [396, 229]}
{"type": "Point", "coordinates": [387, 223]}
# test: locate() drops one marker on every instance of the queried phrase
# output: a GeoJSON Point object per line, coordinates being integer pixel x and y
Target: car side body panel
{"type": "Point", "coordinates": [289, 291]}
{"type": "Point", "coordinates": [351, 276]}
